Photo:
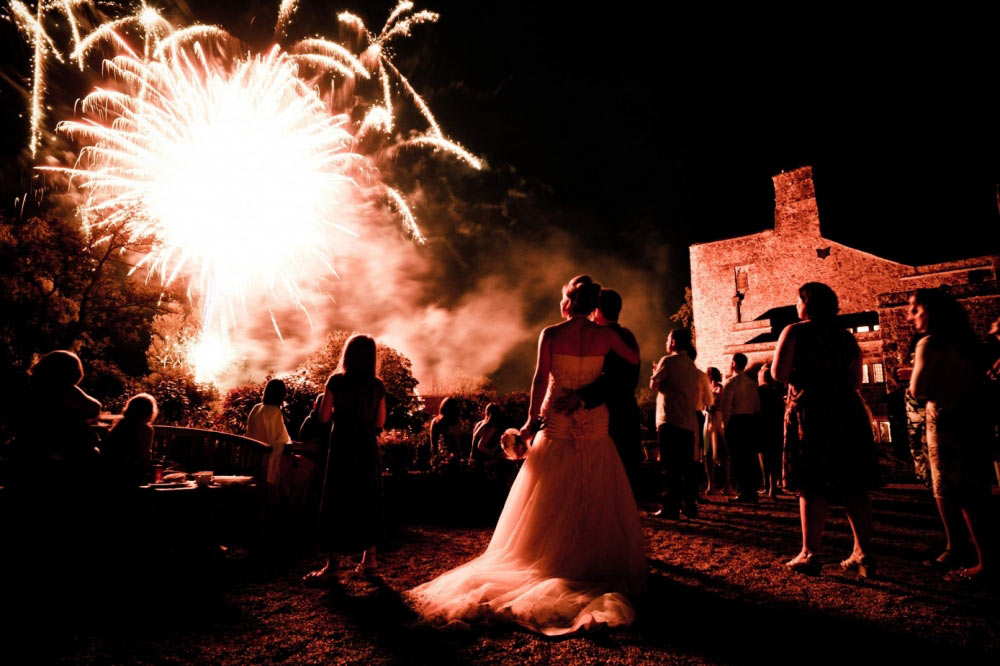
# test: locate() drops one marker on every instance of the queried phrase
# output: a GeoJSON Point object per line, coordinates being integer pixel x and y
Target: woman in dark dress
{"type": "Point", "coordinates": [351, 506]}
{"type": "Point", "coordinates": [829, 448]}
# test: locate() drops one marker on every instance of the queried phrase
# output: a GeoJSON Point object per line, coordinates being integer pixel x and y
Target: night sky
{"type": "Point", "coordinates": [656, 127]}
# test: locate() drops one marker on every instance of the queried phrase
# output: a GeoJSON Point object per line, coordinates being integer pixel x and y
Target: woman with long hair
{"type": "Point", "coordinates": [829, 449]}
{"type": "Point", "coordinates": [948, 372]}
{"type": "Point", "coordinates": [351, 518]}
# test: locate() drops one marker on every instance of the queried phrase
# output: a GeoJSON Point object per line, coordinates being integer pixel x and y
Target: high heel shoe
{"type": "Point", "coordinates": [861, 564]}
{"type": "Point", "coordinates": [806, 563]}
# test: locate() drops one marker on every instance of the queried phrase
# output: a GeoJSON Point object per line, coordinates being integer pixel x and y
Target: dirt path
{"type": "Point", "coordinates": [718, 593]}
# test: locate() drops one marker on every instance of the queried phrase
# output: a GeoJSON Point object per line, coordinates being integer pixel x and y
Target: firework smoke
{"type": "Point", "coordinates": [243, 179]}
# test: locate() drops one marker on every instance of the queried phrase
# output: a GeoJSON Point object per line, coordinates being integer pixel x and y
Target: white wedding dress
{"type": "Point", "coordinates": [568, 550]}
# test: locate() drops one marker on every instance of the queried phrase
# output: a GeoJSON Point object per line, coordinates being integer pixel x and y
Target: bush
{"type": "Point", "coordinates": [399, 450]}
{"type": "Point", "coordinates": [404, 408]}
{"type": "Point", "coordinates": [236, 406]}
{"type": "Point", "coordinates": [181, 400]}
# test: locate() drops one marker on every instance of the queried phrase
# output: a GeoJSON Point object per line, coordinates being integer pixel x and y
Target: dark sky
{"type": "Point", "coordinates": [664, 125]}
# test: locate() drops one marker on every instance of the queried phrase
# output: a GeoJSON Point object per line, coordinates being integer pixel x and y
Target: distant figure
{"type": "Point", "coordinates": [127, 450]}
{"type": "Point", "coordinates": [486, 436]}
{"type": "Point", "coordinates": [948, 372]}
{"type": "Point", "coordinates": [266, 423]}
{"type": "Point", "coordinates": [351, 513]}
{"type": "Point", "coordinates": [772, 429]}
{"type": "Point", "coordinates": [314, 435]}
{"type": "Point", "coordinates": [446, 428]}
{"type": "Point", "coordinates": [740, 405]}
{"type": "Point", "coordinates": [682, 390]}
{"type": "Point", "coordinates": [715, 451]}
{"type": "Point", "coordinates": [829, 448]}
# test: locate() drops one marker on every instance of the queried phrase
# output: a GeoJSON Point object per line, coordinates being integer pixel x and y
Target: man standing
{"type": "Point", "coordinates": [616, 389]}
{"type": "Point", "coordinates": [681, 391]}
{"type": "Point", "coordinates": [740, 405]}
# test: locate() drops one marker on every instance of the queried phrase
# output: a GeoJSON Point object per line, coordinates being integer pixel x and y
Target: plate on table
{"type": "Point", "coordinates": [172, 484]}
{"type": "Point", "coordinates": [231, 480]}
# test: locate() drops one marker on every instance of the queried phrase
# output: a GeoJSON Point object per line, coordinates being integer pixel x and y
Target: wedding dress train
{"type": "Point", "coordinates": [568, 551]}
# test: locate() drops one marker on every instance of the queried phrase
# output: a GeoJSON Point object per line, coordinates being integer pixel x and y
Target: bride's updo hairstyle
{"type": "Point", "coordinates": [581, 293]}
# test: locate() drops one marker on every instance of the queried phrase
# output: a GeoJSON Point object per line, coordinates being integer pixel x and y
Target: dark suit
{"type": "Point", "coordinates": [616, 389]}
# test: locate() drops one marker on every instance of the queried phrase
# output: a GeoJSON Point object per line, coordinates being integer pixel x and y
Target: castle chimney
{"type": "Point", "coordinates": [795, 210]}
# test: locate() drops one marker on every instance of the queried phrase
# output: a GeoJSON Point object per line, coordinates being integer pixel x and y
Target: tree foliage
{"type": "Point", "coordinates": [236, 406]}
{"type": "Point", "coordinates": [60, 291]}
{"type": "Point", "coordinates": [403, 404]}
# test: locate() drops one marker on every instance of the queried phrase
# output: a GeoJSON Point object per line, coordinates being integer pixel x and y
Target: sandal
{"type": "Point", "coordinates": [806, 563]}
{"type": "Point", "coordinates": [320, 578]}
{"type": "Point", "coordinates": [861, 564]}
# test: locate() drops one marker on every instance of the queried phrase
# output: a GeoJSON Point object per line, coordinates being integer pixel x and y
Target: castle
{"type": "Point", "coordinates": [744, 290]}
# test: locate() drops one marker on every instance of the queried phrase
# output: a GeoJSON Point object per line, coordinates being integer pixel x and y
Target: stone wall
{"type": "Point", "coordinates": [775, 264]}
{"type": "Point", "coordinates": [762, 272]}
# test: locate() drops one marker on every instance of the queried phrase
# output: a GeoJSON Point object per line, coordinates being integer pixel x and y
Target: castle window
{"type": "Point", "coordinates": [864, 374]}
{"type": "Point", "coordinates": [878, 375]}
{"type": "Point", "coordinates": [884, 432]}
{"type": "Point", "coordinates": [863, 329]}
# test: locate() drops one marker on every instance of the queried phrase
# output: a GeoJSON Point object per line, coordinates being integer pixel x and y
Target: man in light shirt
{"type": "Point", "coordinates": [682, 390]}
{"type": "Point", "coordinates": [740, 405]}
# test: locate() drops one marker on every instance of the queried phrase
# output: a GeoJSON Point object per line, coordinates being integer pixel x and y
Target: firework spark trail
{"type": "Point", "coordinates": [285, 11]}
{"type": "Point", "coordinates": [231, 171]}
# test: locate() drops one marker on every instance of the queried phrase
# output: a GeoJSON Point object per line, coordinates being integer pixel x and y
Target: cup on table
{"type": "Point", "coordinates": [203, 478]}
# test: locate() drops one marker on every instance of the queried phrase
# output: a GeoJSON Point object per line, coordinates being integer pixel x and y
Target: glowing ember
{"type": "Point", "coordinates": [234, 170]}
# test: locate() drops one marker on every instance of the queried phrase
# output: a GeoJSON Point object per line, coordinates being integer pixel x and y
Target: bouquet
{"type": "Point", "coordinates": [513, 446]}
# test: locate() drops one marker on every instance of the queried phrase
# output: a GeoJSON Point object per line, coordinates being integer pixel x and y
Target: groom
{"type": "Point", "coordinates": [614, 388]}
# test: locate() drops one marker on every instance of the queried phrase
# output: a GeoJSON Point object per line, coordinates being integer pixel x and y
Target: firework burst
{"type": "Point", "coordinates": [234, 169]}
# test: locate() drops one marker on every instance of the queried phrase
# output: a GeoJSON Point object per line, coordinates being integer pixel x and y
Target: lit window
{"type": "Point", "coordinates": [864, 374]}
{"type": "Point", "coordinates": [885, 433]}
{"type": "Point", "coordinates": [863, 329]}
{"type": "Point", "coordinates": [876, 327]}
{"type": "Point", "coordinates": [877, 375]}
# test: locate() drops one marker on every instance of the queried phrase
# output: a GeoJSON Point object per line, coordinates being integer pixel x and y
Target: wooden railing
{"type": "Point", "coordinates": [219, 452]}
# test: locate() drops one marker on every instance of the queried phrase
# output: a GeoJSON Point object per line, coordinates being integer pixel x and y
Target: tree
{"type": "Point", "coordinates": [685, 313]}
{"type": "Point", "coordinates": [60, 291]}
{"type": "Point", "coordinates": [403, 404]}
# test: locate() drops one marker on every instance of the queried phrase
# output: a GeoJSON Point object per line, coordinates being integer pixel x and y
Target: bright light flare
{"type": "Point", "coordinates": [232, 168]}
{"type": "Point", "coordinates": [211, 356]}
{"type": "Point", "coordinates": [241, 176]}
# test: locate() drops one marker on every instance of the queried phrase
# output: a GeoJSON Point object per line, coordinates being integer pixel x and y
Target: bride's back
{"type": "Point", "coordinates": [579, 337]}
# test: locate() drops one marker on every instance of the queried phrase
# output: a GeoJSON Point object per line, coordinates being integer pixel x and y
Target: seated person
{"type": "Point", "coordinates": [127, 449]}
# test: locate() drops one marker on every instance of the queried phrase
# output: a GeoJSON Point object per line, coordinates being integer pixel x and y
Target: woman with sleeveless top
{"type": "Point", "coordinates": [567, 552]}
{"type": "Point", "coordinates": [948, 372]}
{"type": "Point", "coordinates": [351, 513]}
{"type": "Point", "coordinates": [829, 449]}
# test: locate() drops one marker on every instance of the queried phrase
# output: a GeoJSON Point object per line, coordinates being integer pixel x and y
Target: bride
{"type": "Point", "coordinates": [567, 552]}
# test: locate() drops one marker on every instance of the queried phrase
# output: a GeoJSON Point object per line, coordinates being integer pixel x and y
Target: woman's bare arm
{"type": "Point", "coordinates": [619, 347]}
{"type": "Point", "coordinates": [326, 407]}
{"type": "Point", "coordinates": [540, 380]}
{"type": "Point", "coordinates": [921, 371]}
{"type": "Point", "coordinates": [380, 416]}
{"type": "Point", "coordinates": [784, 353]}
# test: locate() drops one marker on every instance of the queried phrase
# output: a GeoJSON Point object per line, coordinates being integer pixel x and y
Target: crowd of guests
{"type": "Point", "coordinates": [798, 425]}
{"type": "Point", "coordinates": [803, 426]}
